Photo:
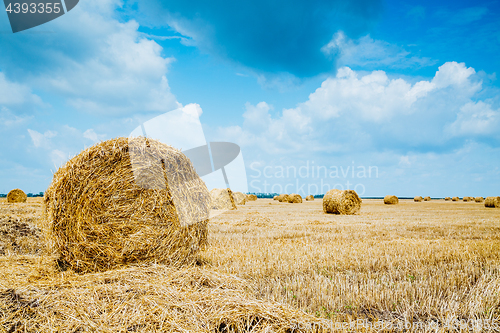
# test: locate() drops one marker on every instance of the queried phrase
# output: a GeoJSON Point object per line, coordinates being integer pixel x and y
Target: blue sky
{"type": "Point", "coordinates": [408, 88]}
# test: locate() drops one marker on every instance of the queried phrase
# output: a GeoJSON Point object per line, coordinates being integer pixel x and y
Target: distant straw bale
{"type": "Point", "coordinates": [283, 198]}
{"type": "Point", "coordinates": [310, 197]}
{"type": "Point", "coordinates": [418, 198]}
{"type": "Point", "coordinates": [222, 198]}
{"type": "Point", "coordinates": [447, 199]}
{"type": "Point", "coordinates": [251, 197]}
{"type": "Point", "coordinates": [455, 199]}
{"type": "Point", "coordinates": [16, 196]}
{"type": "Point", "coordinates": [478, 199]}
{"type": "Point", "coordinates": [427, 199]}
{"type": "Point", "coordinates": [239, 198]}
{"type": "Point", "coordinates": [126, 201]}
{"type": "Point", "coordinates": [391, 200]}
{"type": "Point", "coordinates": [275, 197]}
{"type": "Point", "coordinates": [294, 198]}
{"type": "Point", "coordinates": [341, 202]}
{"type": "Point", "coordinates": [492, 202]}
{"type": "Point", "coordinates": [467, 199]}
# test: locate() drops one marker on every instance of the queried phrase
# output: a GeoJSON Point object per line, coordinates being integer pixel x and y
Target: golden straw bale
{"type": "Point", "coordinates": [341, 202]}
{"type": "Point", "coordinates": [418, 198]}
{"type": "Point", "coordinates": [126, 201]}
{"type": "Point", "coordinates": [466, 199]}
{"type": "Point", "coordinates": [447, 199]}
{"type": "Point", "coordinates": [275, 197]}
{"type": "Point", "coordinates": [310, 197]}
{"type": "Point", "coordinates": [239, 198]}
{"type": "Point", "coordinates": [391, 200]}
{"type": "Point", "coordinates": [294, 198]}
{"type": "Point", "coordinates": [283, 198]}
{"type": "Point", "coordinates": [251, 197]}
{"type": "Point", "coordinates": [427, 199]}
{"type": "Point", "coordinates": [478, 199]}
{"type": "Point", "coordinates": [222, 198]}
{"type": "Point", "coordinates": [492, 202]}
{"type": "Point", "coordinates": [455, 199]}
{"type": "Point", "coordinates": [16, 196]}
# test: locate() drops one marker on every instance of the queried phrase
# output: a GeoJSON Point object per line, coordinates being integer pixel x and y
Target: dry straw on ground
{"type": "Point", "coordinates": [251, 197]}
{"type": "Point", "coordinates": [478, 199]}
{"type": "Point", "coordinates": [239, 198]}
{"type": "Point", "coordinates": [492, 202]}
{"type": "Point", "coordinates": [455, 199]}
{"type": "Point", "coordinates": [310, 197]}
{"type": "Point", "coordinates": [222, 198]}
{"type": "Point", "coordinates": [19, 236]}
{"type": "Point", "coordinates": [345, 202]}
{"type": "Point", "coordinates": [283, 198]}
{"type": "Point", "coordinates": [294, 198]}
{"type": "Point", "coordinates": [418, 198]}
{"type": "Point", "coordinates": [16, 196]}
{"type": "Point", "coordinates": [427, 199]}
{"type": "Point", "coordinates": [125, 201]}
{"type": "Point", "coordinates": [447, 199]}
{"type": "Point", "coordinates": [154, 298]}
{"type": "Point", "coordinates": [391, 200]}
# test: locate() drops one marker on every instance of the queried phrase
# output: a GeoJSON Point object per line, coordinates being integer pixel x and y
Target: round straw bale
{"type": "Point", "coordinates": [16, 196]}
{"type": "Point", "coordinates": [222, 198]}
{"type": "Point", "coordinates": [239, 198]}
{"type": "Point", "coordinates": [466, 199]}
{"type": "Point", "coordinates": [478, 199]}
{"type": "Point", "coordinates": [427, 199]}
{"type": "Point", "coordinates": [492, 202]}
{"type": "Point", "coordinates": [418, 198]}
{"type": "Point", "coordinates": [310, 197]}
{"type": "Point", "coordinates": [294, 198]}
{"type": "Point", "coordinates": [455, 199]}
{"type": "Point", "coordinates": [251, 197]}
{"type": "Point", "coordinates": [275, 197]}
{"type": "Point", "coordinates": [341, 202]}
{"type": "Point", "coordinates": [126, 201]}
{"type": "Point", "coordinates": [447, 199]}
{"type": "Point", "coordinates": [391, 200]}
{"type": "Point", "coordinates": [283, 198]}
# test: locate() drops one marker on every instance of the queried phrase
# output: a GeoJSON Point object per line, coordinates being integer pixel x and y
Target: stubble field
{"type": "Point", "coordinates": [429, 264]}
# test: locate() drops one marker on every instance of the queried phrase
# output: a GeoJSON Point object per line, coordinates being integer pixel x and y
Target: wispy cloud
{"type": "Point", "coordinates": [368, 53]}
{"type": "Point", "coordinates": [41, 140]}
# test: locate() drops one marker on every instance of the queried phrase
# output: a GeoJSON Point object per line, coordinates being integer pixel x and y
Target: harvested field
{"type": "Point", "coordinates": [272, 266]}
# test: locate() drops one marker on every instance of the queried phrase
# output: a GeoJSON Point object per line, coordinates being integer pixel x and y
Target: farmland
{"type": "Point", "coordinates": [432, 262]}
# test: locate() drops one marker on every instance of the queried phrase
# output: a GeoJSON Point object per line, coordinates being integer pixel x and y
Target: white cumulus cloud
{"type": "Point", "coordinates": [355, 112]}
